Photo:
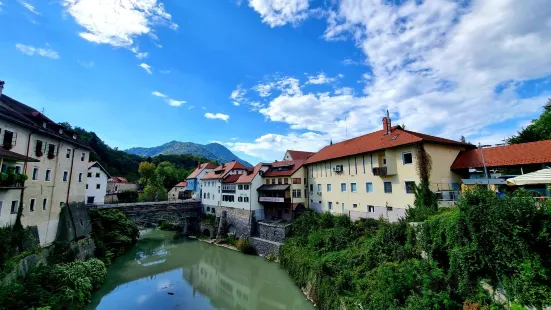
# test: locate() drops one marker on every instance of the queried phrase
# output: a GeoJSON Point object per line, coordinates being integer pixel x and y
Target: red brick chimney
{"type": "Point", "coordinates": [387, 123]}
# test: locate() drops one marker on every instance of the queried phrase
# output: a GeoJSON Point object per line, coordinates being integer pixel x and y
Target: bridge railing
{"type": "Point", "coordinates": [135, 204]}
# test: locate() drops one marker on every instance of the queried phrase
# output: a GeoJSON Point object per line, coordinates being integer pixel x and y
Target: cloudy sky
{"type": "Point", "coordinates": [263, 76]}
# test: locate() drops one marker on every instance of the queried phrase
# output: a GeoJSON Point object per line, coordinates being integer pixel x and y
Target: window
{"type": "Point", "coordinates": [246, 199]}
{"type": "Point", "coordinates": [44, 203]}
{"type": "Point", "coordinates": [273, 181]}
{"type": "Point", "coordinates": [8, 139]}
{"type": "Point", "coordinates": [246, 187]}
{"type": "Point", "coordinates": [51, 151]}
{"type": "Point", "coordinates": [407, 158]}
{"type": "Point", "coordinates": [285, 181]}
{"type": "Point", "coordinates": [48, 175]}
{"type": "Point", "coordinates": [329, 205]}
{"type": "Point", "coordinates": [31, 206]}
{"type": "Point", "coordinates": [371, 209]}
{"type": "Point", "coordinates": [98, 186]}
{"type": "Point", "coordinates": [86, 186]}
{"type": "Point", "coordinates": [240, 199]}
{"type": "Point", "coordinates": [80, 177]}
{"type": "Point", "coordinates": [353, 187]}
{"type": "Point", "coordinates": [38, 148]}
{"type": "Point", "coordinates": [388, 187]}
{"type": "Point", "coordinates": [4, 168]}
{"type": "Point", "coordinates": [343, 187]}
{"type": "Point", "coordinates": [328, 187]}
{"type": "Point", "coordinates": [68, 155]}
{"type": "Point", "coordinates": [61, 204]}
{"type": "Point", "coordinates": [89, 174]}
{"type": "Point", "coordinates": [65, 176]}
{"type": "Point", "coordinates": [319, 188]}
{"type": "Point", "coordinates": [297, 193]}
{"type": "Point", "coordinates": [410, 187]}
{"type": "Point", "coordinates": [384, 161]}
{"type": "Point", "coordinates": [369, 187]}
{"type": "Point", "coordinates": [18, 169]}
{"type": "Point", "coordinates": [14, 207]}
{"type": "Point", "coordinates": [296, 180]}
{"type": "Point", "coordinates": [354, 205]}
{"type": "Point", "coordinates": [304, 180]}
{"type": "Point", "coordinates": [388, 208]}
{"type": "Point", "coordinates": [90, 199]}
{"type": "Point", "coordinates": [240, 187]}
{"type": "Point", "coordinates": [208, 209]}
{"type": "Point", "coordinates": [97, 174]}
{"type": "Point", "coordinates": [82, 156]}
{"type": "Point", "coordinates": [267, 181]}
{"type": "Point", "coordinates": [279, 181]}
{"type": "Point", "coordinates": [311, 187]}
{"type": "Point", "coordinates": [35, 173]}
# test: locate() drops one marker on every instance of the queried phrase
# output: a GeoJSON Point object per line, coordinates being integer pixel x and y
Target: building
{"type": "Point", "coordinates": [56, 173]}
{"type": "Point", "coordinates": [194, 179]}
{"type": "Point", "coordinates": [96, 183]}
{"type": "Point", "coordinates": [119, 184]}
{"type": "Point", "coordinates": [284, 190]}
{"type": "Point", "coordinates": [179, 192]}
{"type": "Point", "coordinates": [297, 155]}
{"type": "Point", "coordinates": [211, 184]}
{"type": "Point", "coordinates": [373, 175]}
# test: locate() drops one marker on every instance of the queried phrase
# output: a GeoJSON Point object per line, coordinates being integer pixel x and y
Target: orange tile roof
{"type": "Point", "coordinates": [232, 178]}
{"type": "Point", "coordinates": [181, 184]}
{"type": "Point", "coordinates": [248, 178]}
{"type": "Point", "coordinates": [507, 155]}
{"type": "Point", "coordinates": [199, 169]}
{"type": "Point", "coordinates": [223, 170]}
{"type": "Point", "coordinates": [272, 172]}
{"type": "Point", "coordinates": [376, 141]}
{"type": "Point", "coordinates": [300, 154]}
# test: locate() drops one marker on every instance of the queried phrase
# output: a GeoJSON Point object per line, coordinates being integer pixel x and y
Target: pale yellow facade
{"type": "Point", "coordinates": [299, 174]}
{"type": "Point", "coordinates": [349, 186]}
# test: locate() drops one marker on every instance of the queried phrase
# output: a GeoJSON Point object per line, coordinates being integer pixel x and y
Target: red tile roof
{"type": "Point", "coordinates": [223, 170]}
{"type": "Point", "coordinates": [199, 169]}
{"type": "Point", "coordinates": [248, 178]}
{"type": "Point", "coordinates": [296, 155]}
{"type": "Point", "coordinates": [507, 155]}
{"type": "Point", "coordinates": [272, 172]}
{"type": "Point", "coordinates": [119, 180]}
{"type": "Point", "coordinates": [376, 141]}
{"type": "Point", "coordinates": [231, 178]}
{"type": "Point", "coordinates": [181, 184]}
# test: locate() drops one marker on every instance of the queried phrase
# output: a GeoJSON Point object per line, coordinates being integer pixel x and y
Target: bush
{"type": "Point", "coordinates": [245, 246]}
{"type": "Point", "coordinates": [15, 245]}
{"type": "Point", "coordinates": [128, 196]}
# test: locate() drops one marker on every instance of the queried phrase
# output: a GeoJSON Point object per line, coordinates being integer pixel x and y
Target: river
{"type": "Point", "coordinates": [163, 272]}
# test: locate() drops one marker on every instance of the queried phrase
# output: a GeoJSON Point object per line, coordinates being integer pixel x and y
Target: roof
{"type": "Point", "coordinates": [542, 176]}
{"type": "Point", "coordinates": [181, 184]}
{"type": "Point", "coordinates": [231, 178]}
{"type": "Point", "coordinates": [200, 169]}
{"type": "Point", "coordinates": [272, 172]}
{"type": "Point", "coordinates": [376, 141]}
{"type": "Point", "coordinates": [26, 116]}
{"type": "Point", "coordinates": [118, 180]}
{"type": "Point", "coordinates": [9, 155]}
{"type": "Point", "coordinates": [507, 155]}
{"type": "Point", "coordinates": [223, 170]}
{"type": "Point", "coordinates": [248, 178]}
{"type": "Point", "coordinates": [97, 164]}
{"type": "Point", "coordinates": [300, 154]}
{"type": "Point", "coordinates": [273, 187]}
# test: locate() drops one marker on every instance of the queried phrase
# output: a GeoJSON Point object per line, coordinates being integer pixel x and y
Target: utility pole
{"type": "Point", "coordinates": [484, 164]}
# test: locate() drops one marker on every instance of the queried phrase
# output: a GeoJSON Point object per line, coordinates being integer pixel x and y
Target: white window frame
{"type": "Point", "coordinates": [20, 168]}
{"type": "Point", "coordinates": [319, 188]}
{"type": "Point", "coordinates": [403, 158]}
{"type": "Point", "coordinates": [32, 205]}
{"type": "Point", "coordinates": [328, 187]}
{"type": "Point", "coordinates": [384, 187]}
{"type": "Point", "coordinates": [48, 177]}
{"type": "Point", "coordinates": [37, 173]}
{"type": "Point", "coordinates": [370, 209]}
{"type": "Point", "coordinates": [372, 187]}
{"type": "Point", "coordinates": [82, 156]}
{"type": "Point", "coordinates": [343, 183]}
{"type": "Point", "coordinates": [406, 187]}
{"type": "Point", "coordinates": [68, 154]}
{"type": "Point", "coordinates": [16, 206]}
{"type": "Point", "coordinates": [355, 185]}
{"type": "Point", "coordinates": [80, 177]}
{"type": "Point", "coordinates": [65, 176]}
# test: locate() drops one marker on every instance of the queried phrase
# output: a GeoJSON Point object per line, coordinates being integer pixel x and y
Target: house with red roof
{"type": "Point", "coordinates": [96, 183]}
{"type": "Point", "coordinates": [193, 181]}
{"type": "Point", "coordinates": [179, 192]}
{"type": "Point", "coordinates": [372, 176]}
{"type": "Point", "coordinates": [297, 155]}
{"type": "Point", "coordinates": [212, 182]}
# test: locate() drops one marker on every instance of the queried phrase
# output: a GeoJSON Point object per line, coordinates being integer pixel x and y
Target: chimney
{"type": "Point", "coordinates": [387, 124]}
{"type": "Point", "coordinates": [1, 86]}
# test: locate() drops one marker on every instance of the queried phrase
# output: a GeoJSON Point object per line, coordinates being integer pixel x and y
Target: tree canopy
{"type": "Point", "coordinates": [538, 130]}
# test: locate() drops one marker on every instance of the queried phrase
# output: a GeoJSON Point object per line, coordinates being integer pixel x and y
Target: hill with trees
{"type": "Point", "coordinates": [538, 130]}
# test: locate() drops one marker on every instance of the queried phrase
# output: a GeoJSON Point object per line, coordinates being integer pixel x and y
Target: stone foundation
{"type": "Point", "coordinates": [265, 247]}
{"type": "Point", "coordinates": [236, 221]}
{"type": "Point", "coordinates": [273, 232]}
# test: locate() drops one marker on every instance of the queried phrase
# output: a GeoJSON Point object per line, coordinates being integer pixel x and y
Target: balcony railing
{"type": "Point", "coordinates": [12, 180]}
{"type": "Point", "coordinates": [274, 199]}
{"type": "Point", "coordinates": [231, 191]}
{"type": "Point", "coordinates": [380, 171]}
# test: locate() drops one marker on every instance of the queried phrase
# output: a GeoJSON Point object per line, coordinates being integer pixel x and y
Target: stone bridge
{"type": "Point", "coordinates": [185, 213]}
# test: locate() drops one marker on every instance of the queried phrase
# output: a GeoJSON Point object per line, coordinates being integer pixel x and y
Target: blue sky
{"type": "Point", "coordinates": [263, 76]}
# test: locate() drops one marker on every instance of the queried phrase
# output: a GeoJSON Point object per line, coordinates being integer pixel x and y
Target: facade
{"type": "Point", "coordinates": [119, 184]}
{"type": "Point", "coordinates": [179, 192]}
{"type": "Point", "coordinates": [284, 190]}
{"type": "Point", "coordinates": [211, 184]}
{"type": "Point", "coordinates": [372, 176]}
{"type": "Point", "coordinates": [194, 179]}
{"type": "Point", "coordinates": [96, 183]}
{"type": "Point", "coordinates": [296, 155]}
{"type": "Point", "coordinates": [56, 175]}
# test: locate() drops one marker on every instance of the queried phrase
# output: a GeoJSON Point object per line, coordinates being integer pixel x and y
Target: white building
{"type": "Point", "coordinates": [211, 184]}
{"type": "Point", "coordinates": [193, 181]}
{"type": "Point", "coordinates": [96, 183]}
{"type": "Point", "coordinates": [56, 175]}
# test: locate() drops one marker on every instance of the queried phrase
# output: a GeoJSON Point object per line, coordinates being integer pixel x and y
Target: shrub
{"type": "Point", "coordinates": [128, 196]}
{"type": "Point", "coordinates": [245, 246]}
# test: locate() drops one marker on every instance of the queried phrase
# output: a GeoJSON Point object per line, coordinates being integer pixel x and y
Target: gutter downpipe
{"type": "Point", "coordinates": [22, 196]}
{"type": "Point", "coordinates": [68, 191]}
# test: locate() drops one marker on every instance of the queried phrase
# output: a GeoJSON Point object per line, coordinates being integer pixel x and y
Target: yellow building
{"type": "Point", "coordinates": [372, 176]}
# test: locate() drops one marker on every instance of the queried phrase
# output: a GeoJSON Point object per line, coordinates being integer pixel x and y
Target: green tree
{"type": "Point", "coordinates": [154, 192]}
{"type": "Point", "coordinates": [463, 139]}
{"type": "Point", "coordinates": [147, 172]}
{"type": "Point", "coordinates": [538, 130]}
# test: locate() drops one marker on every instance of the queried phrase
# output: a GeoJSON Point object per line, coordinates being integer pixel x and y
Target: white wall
{"type": "Point", "coordinates": [197, 194]}
{"type": "Point", "coordinates": [213, 190]}
{"type": "Point", "coordinates": [93, 181]}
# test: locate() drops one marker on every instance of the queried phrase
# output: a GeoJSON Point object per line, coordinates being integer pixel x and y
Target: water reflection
{"type": "Point", "coordinates": [164, 273]}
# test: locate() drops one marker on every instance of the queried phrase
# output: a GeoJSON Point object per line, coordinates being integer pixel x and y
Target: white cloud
{"type": "Point", "coordinates": [321, 78]}
{"type": "Point", "coordinates": [146, 67]}
{"type": "Point", "coordinates": [234, 138]}
{"type": "Point", "coordinates": [29, 7]}
{"type": "Point", "coordinates": [190, 107]}
{"type": "Point", "coordinates": [350, 62]}
{"type": "Point", "coordinates": [175, 103]}
{"type": "Point", "coordinates": [118, 23]}
{"type": "Point", "coordinates": [235, 103]}
{"type": "Point", "coordinates": [264, 89]}
{"type": "Point", "coordinates": [164, 71]}
{"type": "Point", "coordinates": [141, 55]}
{"type": "Point", "coordinates": [31, 51]}
{"type": "Point", "coordinates": [280, 12]}
{"type": "Point", "coordinates": [87, 64]}
{"type": "Point", "coordinates": [220, 116]}
{"type": "Point", "coordinates": [158, 94]}
{"type": "Point", "coordinates": [434, 64]}
{"type": "Point", "coordinates": [238, 94]}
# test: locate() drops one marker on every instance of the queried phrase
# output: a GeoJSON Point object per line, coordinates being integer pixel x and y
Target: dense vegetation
{"type": "Point", "coordinates": [538, 130]}
{"type": "Point", "coordinates": [63, 286]}
{"type": "Point", "coordinates": [113, 233]}
{"type": "Point", "coordinates": [120, 163]}
{"type": "Point", "coordinates": [373, 264]}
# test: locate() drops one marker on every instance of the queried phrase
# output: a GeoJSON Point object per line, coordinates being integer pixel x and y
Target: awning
{"type": "Point", "coordinates": [542, 176]}
{"type": "Point", "coordinates": [483, 181]}
{"type": "Point", "coordinates": [9, 155]}
{"type": "Point", "coordinates": [273, 187]}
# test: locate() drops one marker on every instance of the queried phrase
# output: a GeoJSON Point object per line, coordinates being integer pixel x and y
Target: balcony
{"type": "Point", "coordinates": [12, 180]}
{"type": "Point", "coordinates": [228, 191]}
{"type": "Point", "coordinates": [380, 171]}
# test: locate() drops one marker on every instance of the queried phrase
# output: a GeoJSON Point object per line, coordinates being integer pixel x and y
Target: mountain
{"type": "Point", "coordinates": [211, 151]}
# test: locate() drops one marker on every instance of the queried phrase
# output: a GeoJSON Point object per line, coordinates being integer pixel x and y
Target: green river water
{"type": "Point", "coordinates": [162, 272]}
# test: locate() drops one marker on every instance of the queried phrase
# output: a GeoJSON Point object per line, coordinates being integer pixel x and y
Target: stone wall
{"type": "Point", "coordinates": [273, 232]}
{"type": "Point", "coordinates": [25, 265]}
{"type": "Point", "coordinates": [237, 221]}
{"type": "Point", "coordinates": [204, 227]}
{"type": "Point", "coordinates": [265, 247]}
